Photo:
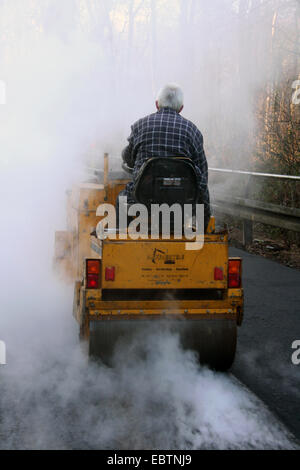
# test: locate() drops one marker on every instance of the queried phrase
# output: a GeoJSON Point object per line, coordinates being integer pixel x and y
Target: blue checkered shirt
{"type": "Point", "coordinates": [167, 134]}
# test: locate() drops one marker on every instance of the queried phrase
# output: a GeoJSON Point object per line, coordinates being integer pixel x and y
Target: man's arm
{"type": "Point", "coordinates": [127, 154]}
{"type": "Point", "coordinates": [201, 164]}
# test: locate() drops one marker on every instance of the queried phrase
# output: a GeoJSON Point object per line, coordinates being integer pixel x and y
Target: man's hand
{"type": "Point", "coordinates": [127, 156]}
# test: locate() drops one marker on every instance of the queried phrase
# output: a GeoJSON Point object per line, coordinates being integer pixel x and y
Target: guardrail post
{"type": "Point", "coordinates": [248, 224]}
{"type": "Point", "coordinates": [247, 232]}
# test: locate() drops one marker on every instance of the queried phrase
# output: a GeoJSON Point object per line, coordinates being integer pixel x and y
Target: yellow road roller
{"type": "Point", "coordinates": [124, 284]}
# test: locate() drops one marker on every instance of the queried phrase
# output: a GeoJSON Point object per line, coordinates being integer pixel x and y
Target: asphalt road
{"type": "Point", "coordinates": [271, 324]}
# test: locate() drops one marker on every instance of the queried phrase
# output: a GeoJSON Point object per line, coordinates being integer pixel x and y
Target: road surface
{"type": "Point", "coordinates": [271, 325]}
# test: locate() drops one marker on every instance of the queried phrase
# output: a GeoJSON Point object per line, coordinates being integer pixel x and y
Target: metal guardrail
{"type": "Point", "coordinates": [250, 210]}
{"type": "Point", "coordinates": [253, 173]}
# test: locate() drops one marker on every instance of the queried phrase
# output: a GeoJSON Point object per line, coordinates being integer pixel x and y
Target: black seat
{"type": "Point", "coordinates": [167, 180]}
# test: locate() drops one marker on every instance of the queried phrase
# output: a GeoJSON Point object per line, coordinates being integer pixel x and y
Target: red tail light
{"type": "Point", "coordinates": [234, 274]}
{"type": "Point", "coordinates": [219, 274]}
{"type": "Point", "coordinates": [110, 273]}
{"type": "Point", "coordinates": [92, 273]}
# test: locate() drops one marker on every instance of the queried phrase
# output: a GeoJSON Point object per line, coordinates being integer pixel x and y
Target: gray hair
{"type": "Point", "coordinates": [170, 96]}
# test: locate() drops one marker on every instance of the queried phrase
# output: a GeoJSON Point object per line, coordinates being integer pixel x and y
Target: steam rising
{"type": "Point", "coordinates": [156, 397]}
{"type": "Point", "coordinates": [76, 75]}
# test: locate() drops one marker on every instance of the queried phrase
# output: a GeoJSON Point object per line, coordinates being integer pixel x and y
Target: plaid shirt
{"type": "Point", "coordinates": [167, 134]}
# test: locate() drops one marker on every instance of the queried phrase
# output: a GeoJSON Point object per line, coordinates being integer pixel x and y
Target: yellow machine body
{"type": "Point", "coordinates": [153, 279]}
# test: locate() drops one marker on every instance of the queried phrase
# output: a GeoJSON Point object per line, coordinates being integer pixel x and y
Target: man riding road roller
{"type": "Point", "coordinates": [126, 283]}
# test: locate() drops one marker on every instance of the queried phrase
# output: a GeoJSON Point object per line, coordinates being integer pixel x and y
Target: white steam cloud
{"type": "Point", "coordinates": [157, 397]}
